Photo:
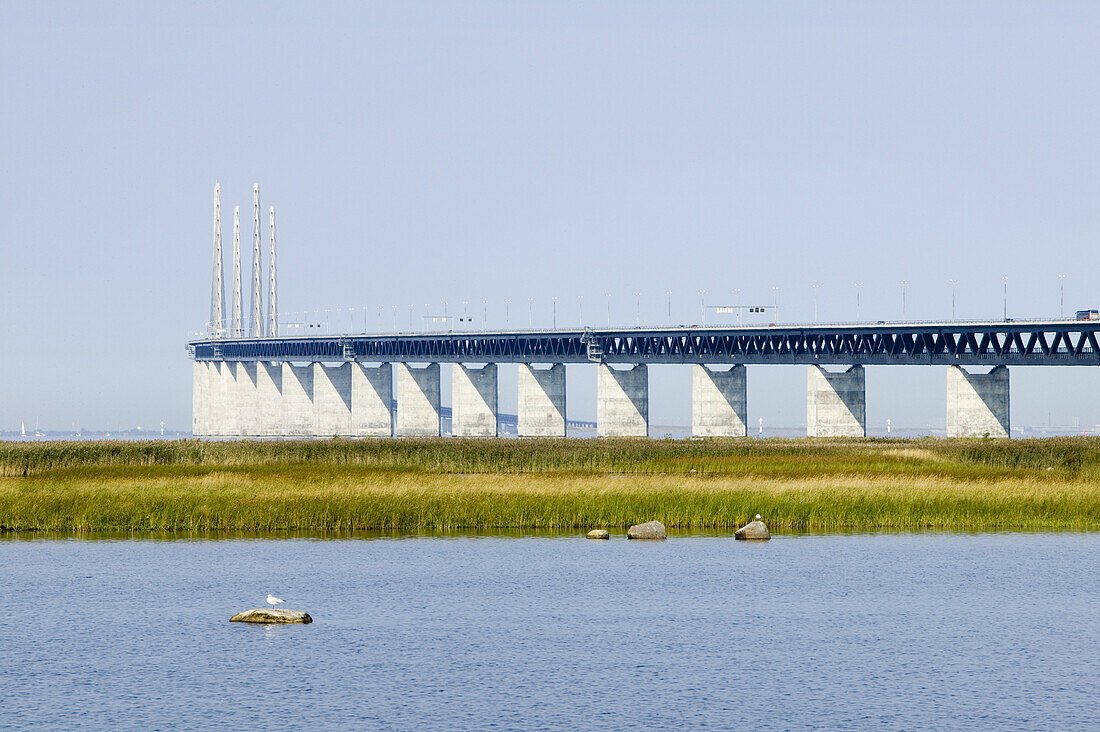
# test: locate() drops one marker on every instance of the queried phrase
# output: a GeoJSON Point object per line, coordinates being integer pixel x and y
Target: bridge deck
{"type": "Point", "coordinates": [987, 343]}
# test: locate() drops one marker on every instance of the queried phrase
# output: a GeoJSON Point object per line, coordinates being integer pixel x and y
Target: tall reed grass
{"type": "Point", "coordinates": [427, 485]}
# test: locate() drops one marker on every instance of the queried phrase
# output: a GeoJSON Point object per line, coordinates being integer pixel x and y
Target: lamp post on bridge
{"type": "Point", "coordinates": [555, 301]}
{"type": "Point", "coordinates": [1005, 301]}
{"type": "Point", "coordinates": [737, 302]}
{"type": "Point", "coordinates": [484, 313]}
{"type": "Point", "coordinates": [858, 286]}
{"type": "Point", "coordinates": [608, 296]}
{"type": "Point", "coordinates": [954, 287]}
{"type": "Point", "coordinates": [775, 303]}
{"type": "Point", "coordinates": [904, 284]}
{"type": "Point", "coordinates": [703, 306]}
{"type": "Point", "coordinates": [507, 311]}
{"type": "Point", "coordinates": [815, 287]}
{"type": "Point", "coordinates": [668, 294]}
{"type": "Point", "coordinates": [580, 310]}
{"type": "Point", "coordinates": [1061, 296]}
{"type": "Point", "coordinates": [530, 312]}
{"type": "Point", "coordinates": [638, 309]}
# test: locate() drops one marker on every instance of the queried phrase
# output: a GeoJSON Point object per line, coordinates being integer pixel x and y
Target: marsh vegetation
{"type": "Point", "coordinates": [448, 484]}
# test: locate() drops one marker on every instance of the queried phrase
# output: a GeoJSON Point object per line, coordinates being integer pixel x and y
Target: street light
{"type": "Point", "coordinates": [668, 294]}
{"type": "Point", "coordinates": [530, 312]}
{"type": "Point", "coordinates": [608, 296]}
{"type": "Point", "coordinates": [1061, 296]}
{"type": "Point", "coordinates": [555, 300]}
{"type": "Point", "coordinates": [507, 312]}
{"type": "Point", "coordinates": [484, 313]}
{"type": "Point", "coordinates": [703, 305]}
{"type": "Point", "coordinates": [1005, 281]}
{"type": "Point", "coordinates": [394, 318]}
{"type": "Point", "coordinates": [580, 309]}
{"type": "Point", "coordinates": [775, 303]}
{"type": "Point", "coordinates": [858, 286]}
{"type": "Point", "coordinates": [814, 287]}
{"type": "Point", "coordinates": [904, 284]}
{"type": "Point", "coordinates": [737, 302]}
{"type": "Point", "coordinates": [954, 287]}
{"type": "Point", "coordinates": [638, 309]}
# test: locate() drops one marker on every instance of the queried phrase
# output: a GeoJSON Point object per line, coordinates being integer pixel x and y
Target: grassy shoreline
{"type": "Point", "coordinates": [436, 484]}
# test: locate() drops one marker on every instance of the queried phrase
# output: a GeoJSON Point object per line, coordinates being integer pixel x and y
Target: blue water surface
{"type": "Point", "coordinates": [815, 632]}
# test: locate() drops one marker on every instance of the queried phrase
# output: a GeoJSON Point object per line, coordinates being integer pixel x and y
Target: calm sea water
{"type": "Point", "coordinates": [895, 631]}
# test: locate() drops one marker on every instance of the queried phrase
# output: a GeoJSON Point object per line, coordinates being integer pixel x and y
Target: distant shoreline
{"type": "Point", "coordinates": [433, 485]}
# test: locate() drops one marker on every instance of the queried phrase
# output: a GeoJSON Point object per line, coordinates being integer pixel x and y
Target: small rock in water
{"type": "Point", "coordinates": [599, 534]}
{"type": "Point", "coordinates": [271, 615]}
{"type": "Point", "coordinates": [753, 530]}
{"type": "Point", "coordinates": [649, 530]}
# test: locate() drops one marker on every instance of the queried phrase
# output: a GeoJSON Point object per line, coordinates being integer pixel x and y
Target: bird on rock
{"type": "Point", "coordinates": [273, 601]}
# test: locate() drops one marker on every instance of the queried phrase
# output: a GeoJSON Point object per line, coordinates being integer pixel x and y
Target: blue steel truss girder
{"type": "Point", "coordinates": [1047, 343]}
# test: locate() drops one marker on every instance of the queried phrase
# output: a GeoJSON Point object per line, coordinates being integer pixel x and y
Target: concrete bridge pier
{"type": "Point", "coordinates": [248, 412]}
{"type": "Point", "coordinates": [836, 403]}
{"type": "Point", "coordinates": [622, 401]}
{"type": "Point", "coordinates": [200, 398]}
{"type": "Point", "coordinates": [473, 401]}
{"type": "Point", "coordinates": [541, 407]}
{"type": "Point", "coordinates": [718, 402]}
{"type": "Point", "coordinates": [978, 404]}
{"type": "Point", "coordinates": [298, 412]}
{"type": "Point", "coordinates": [371, 400]}
{"type": "Point", "coordinates": [417, 400]}
{"type": "Point", "coordinates": [269, 399]}
{"type": "Point", "coordinates": [227, 422]}
{"type": "Point", "coordinates": [331, 400]}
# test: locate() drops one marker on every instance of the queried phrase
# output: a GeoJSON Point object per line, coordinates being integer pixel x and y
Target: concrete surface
{"type": "Point", "coordinates": [978, 404]}
{"type": "Point", "coordinates": [836, 403]}
{"type": "Point", "coordinates": [474, 401]}
{"type": "Point", "coordinates": [719, 403]}
{"type": "Point", "coordinates": [622, 401]}
{"type": "Point", "coordinates": [541, 405]}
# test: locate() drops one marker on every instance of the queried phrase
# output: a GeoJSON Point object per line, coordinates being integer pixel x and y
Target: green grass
{"type": "Point", "coordinates": [453, 484]}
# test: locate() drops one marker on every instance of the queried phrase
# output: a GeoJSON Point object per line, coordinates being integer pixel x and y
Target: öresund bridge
{"type": "Point", "coordinates": [264, 384]}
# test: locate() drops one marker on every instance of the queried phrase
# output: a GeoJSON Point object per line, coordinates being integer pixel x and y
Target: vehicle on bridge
{"type": "Point", "coordinates": [1088, 314]}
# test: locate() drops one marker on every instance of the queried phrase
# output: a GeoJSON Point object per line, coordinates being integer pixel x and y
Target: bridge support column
{"type": "Point", "coordinates": [836, 403]}
{"type": "Point", "coordinates": [622, 401]}
{"type": "Point", "coordinates": [199, 397]}
{"type": "Point", "coordinates": [331, 400]}
{"type": "Point", "coordinates": [269, 398]}
{"type": "Point", "coordinates": [297, 400]}
{"type": "Point", "coordinates": [718, 402]}
{"type": "Point", "coordinates": [228, 418]}
{"type": "Point", "coordinates": [474, 401]}
{"type": "Point", "coordinates": [417, 401]}
{"type": "Point", "coordinates": [372, 400]}
{"type": "Point", "coordinates": [541, 408]}
{"type": "Point", "coordinates": [977, 404]}
{"type": "Point", "coordinates": [247, 412]}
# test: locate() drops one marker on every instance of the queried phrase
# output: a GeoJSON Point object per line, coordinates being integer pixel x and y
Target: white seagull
{"type": "Point", "coordinates": [273, 601]}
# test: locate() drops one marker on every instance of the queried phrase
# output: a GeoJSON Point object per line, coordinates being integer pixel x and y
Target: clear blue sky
{"type": "Point", "coordinates": [423, 152]}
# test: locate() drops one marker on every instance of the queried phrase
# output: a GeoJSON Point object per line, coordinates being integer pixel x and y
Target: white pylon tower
{"type": "Point", "coordinates": [238, 329]}
{"type": "Point", "coordinates": [216, 327]}
{"type": "Point", "coordinates": [272, 293]}
{"type": "Point", "coordinates": [256, 325]}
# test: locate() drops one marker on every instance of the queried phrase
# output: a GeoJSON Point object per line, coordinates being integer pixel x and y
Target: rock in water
{"type": "Point", "coordinates": [649, 530]}
{"type": "Point", "coordinates": [271, 615]}
{"type": "Point", "coordinates": [753, 530]}
{"type": "Point", "coordinates": [599, 534]}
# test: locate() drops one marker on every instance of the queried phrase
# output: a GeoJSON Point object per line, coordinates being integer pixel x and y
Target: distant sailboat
{"type": "Point", "coordinates": [38, 432]}
{"type": "Point", "coordinates": [22, 429]}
